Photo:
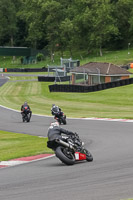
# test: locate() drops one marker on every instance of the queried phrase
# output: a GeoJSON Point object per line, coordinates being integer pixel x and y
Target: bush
{"type": "Point", "coordinates": [40, 57]}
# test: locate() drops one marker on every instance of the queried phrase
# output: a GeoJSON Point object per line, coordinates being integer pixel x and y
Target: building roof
{"type": "Point", "coordinates": [95, 68]}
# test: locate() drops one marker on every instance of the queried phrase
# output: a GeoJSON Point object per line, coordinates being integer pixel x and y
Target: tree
{"type": "Point", "coordinates": [63, 25]}
{"type": "Point", "coordinates": [104, 24]}
{"type": "Point", "coordinates": [82, 20]}
{"type": "Point", "coordinates": [30, 16]}
{"type": "Point", "coordinates": [8, 20]}
{"type": "Point", "coordinates": [122, 13]}
{"type": "Point", "coordinates": [53, 15]}
{"type": "Point", "coordinates": [67, 34]}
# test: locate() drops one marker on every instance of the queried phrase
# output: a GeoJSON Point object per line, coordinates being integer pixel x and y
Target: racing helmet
{"type": "Point", "coordinates": [55, 124]}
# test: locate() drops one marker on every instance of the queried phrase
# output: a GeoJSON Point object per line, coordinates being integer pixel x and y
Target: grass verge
{"type": "Point", "coordinates": [110, 103]}
{"type": "Point", "coordinates": [15, 145]}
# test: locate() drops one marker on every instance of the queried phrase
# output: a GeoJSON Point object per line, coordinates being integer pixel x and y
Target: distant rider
{"type": "Point", "coordinates": [25, 105]}
{"type": "Point", "coordinates": [56, 111]}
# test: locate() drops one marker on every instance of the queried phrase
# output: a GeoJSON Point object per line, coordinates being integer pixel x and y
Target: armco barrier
{"type": "Point", "coordinates": [85, 88]}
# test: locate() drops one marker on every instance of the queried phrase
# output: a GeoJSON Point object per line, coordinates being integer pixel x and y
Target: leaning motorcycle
{"type": "Point", "coordinates": [61, 118]}
{"type": "Point", "coordinates": [70, 149]}
{"type": "Point", "coordinates": [26, 115]}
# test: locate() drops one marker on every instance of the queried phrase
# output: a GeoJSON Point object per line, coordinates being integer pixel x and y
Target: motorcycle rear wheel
{"type": "Point", "coordinates": [63, 120]}
{"type": "Point", "coordinates": [65, 156]}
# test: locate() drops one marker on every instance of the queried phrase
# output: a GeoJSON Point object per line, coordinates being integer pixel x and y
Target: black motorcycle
{"type": "Point", "coordinates": [61, 118]}
{"type": "Point", "coordinates": [70, 150]}
{"type": "Point", "coordinates": [26, 115]}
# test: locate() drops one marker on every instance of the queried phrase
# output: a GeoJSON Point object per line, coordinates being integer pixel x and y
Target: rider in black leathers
{"type": "Point", "coordinates": [55, 131]}
{"type": "Point", "coordinates": [28, 107]}
{"type": "Point", "coordinates": [56, 111]}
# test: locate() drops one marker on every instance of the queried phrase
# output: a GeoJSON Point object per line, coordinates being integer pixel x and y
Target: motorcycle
{"type": "Point", "coordinates": [61, 118]}
{"type": "Point", "coordinates": [70, 150]}
{"type": "Point", "coordinates": [26, 115]}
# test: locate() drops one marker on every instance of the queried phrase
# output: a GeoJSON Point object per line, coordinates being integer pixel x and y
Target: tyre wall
{"type": "Point", "coordinates": [94, 88]}
{"type": "Point", "coordinates": [44, 69]}
{"type": "Point", "coordinates": [53, 79]}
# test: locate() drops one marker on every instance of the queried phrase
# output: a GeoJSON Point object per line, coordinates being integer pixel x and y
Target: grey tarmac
{"type": "Point", "coordinates": [108, 177]}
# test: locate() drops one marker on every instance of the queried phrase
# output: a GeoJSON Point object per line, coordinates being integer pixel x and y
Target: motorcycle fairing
{"type": "Point", "coordinates": [80, 156]}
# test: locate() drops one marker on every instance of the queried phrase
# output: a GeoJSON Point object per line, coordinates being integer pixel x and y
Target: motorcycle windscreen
{"type": "Point", "coordinates": [80, 156]}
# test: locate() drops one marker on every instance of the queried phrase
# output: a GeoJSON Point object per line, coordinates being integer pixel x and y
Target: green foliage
{"type": "Point", "coordinates": [8, 20]}
{"type": "Point", "coordinates": [104, 25]}
{"type": "Point", "coordinates": [40, 57]}
{"type": "Point", "coordinates": [67, 25]}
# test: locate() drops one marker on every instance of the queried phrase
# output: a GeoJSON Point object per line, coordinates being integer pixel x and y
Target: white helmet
{"type": "Point", "coordinates": [55, 124]}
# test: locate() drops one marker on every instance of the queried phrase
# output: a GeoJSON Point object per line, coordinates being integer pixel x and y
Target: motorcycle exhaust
{"type": "Point", "coordinates": [64, 144]}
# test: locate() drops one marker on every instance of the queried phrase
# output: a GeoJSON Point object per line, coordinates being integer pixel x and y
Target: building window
{"type": "Point", "coordinates": [115, 78]}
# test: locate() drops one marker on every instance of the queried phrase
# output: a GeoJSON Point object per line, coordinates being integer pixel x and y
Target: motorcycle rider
{"type": "Point", "coordinates": [55, 132]}
{"type": "Point", "coordinates": [56, 111]}
{"type": "Point", "coordinates": [25, 105]}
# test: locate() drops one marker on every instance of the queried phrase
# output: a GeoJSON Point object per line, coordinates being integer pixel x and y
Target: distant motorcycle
{"type": "Point", "coordinates": [61, 118]}
{"type": "Point", "coordinates": [70, 150]}
{"type": "Point", "coordinates": [26, 115]}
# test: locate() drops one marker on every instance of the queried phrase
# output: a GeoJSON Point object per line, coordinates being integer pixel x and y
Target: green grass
{"type": "Point", "coordinates": [15, 145]}
{"type": "Point", "coordinates": [119, 57]}
{"type": "Point", "coordinates": [112, 103]}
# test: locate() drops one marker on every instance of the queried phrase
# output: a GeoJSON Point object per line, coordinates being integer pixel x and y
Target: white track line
{"type": "Point", "coordinates": [24, 160]}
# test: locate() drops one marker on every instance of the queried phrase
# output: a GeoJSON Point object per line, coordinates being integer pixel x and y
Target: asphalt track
{"type": "Point", "coordinates": [108, 177]}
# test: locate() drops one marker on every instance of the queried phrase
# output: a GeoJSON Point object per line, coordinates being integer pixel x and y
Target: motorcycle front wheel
{"type": "Point", "coordinates": [66, 156]}
{"type": "Point", "coordinates": [89, 157]}
{"type": "Point", "coordinates": [28, 118]}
